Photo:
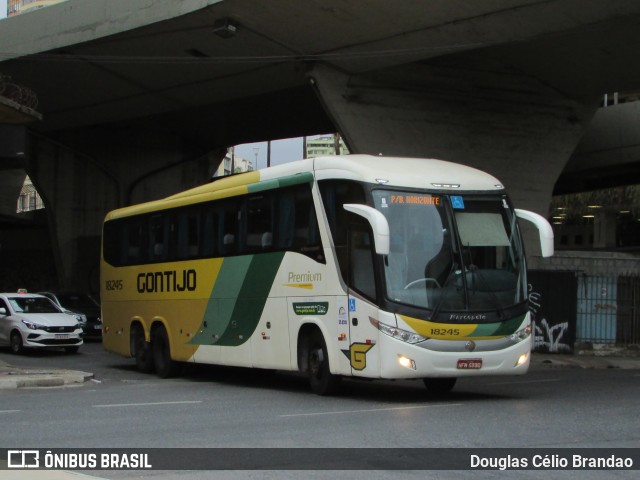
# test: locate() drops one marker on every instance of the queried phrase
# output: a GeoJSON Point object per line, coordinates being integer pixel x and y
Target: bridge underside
{"type": "Point", "coordinates": [139, 103]}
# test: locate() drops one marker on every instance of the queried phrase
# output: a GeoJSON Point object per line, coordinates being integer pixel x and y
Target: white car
{"type": "Point", "coordinates": [30, 320]}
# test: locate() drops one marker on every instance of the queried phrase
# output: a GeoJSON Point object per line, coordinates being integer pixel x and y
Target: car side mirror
{"type": "Point", "coordinates": [3, 311]}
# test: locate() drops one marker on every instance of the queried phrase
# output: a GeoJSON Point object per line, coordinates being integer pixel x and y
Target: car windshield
{"type": "Point", "coordinates": [33, 305]}
{"type": "Point", "coordinates": [452, 253]}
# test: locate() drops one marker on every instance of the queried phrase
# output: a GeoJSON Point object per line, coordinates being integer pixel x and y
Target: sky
{"type": "Point", "coordinates": [3, 8]}
{"type": "Point", "coordinates": [282, 151]}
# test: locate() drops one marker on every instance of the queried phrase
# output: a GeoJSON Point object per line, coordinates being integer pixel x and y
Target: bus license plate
{"type": "Point", "coordinates": [469, 364]}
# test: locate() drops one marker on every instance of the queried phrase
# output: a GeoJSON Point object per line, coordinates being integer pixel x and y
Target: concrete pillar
{"type": "Point", "coordinates": [84, 174]}
{"type": "Point", "coordinates": [604, 229]}
{"type": "Point", "coordinates": [500, 121]}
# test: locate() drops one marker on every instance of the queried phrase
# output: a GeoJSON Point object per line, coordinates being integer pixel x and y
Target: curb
{"type": "Point", "coordinates": [25, 378]}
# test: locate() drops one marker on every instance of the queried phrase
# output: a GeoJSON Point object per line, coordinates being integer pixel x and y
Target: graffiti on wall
{"type": "Point", "coordinates": [553, 311]}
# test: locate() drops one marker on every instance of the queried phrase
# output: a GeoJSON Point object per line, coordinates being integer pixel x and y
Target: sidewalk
{"type": "Point", "coordinates": [19, 377]}
{"type": "Point", "coordinates": [559, 360]}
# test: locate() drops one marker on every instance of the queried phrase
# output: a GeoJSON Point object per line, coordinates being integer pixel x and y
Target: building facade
{"type": "Point", "coordinates": [233, 164]}
{"type": "Point", "coordinates": [16, 7]}
{"type": "Point", "coordinates": [325, 146]}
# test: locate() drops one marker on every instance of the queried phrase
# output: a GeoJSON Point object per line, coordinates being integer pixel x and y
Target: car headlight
{"type": "Point", "coordinates": [81, 319]}
{"type": "Point", "coordinates": [398, 333]}
{"type": "Point", "coordinates": [33, 326]}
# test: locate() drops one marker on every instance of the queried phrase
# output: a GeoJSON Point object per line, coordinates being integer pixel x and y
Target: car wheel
{"type": "Point", "coordinates": [322, 381]}
{"type": "Point", "coordinates": [164, 365]}
{"type": "Point", "coordinates": [17, 346]}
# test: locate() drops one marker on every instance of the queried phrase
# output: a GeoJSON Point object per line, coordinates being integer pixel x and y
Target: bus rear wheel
{"type": "Point", "coordinates": [322, 381]}
{"type": "Point", "coordinates": [439, 386]}
{"type": "Point", "coordinates": [164, 365]}
{"type": "Point", "coordinates": [142, 351]}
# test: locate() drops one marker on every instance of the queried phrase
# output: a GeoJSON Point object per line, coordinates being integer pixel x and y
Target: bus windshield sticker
{"type": "Point", "coordinates": [457, 202]}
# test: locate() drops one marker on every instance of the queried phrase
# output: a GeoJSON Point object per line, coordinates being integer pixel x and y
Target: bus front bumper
{"type": "Point", "coordinates": [402, 360]}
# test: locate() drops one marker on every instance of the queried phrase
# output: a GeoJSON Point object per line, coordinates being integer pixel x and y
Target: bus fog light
{"type": "Point", "coordinates": [522, 360]}
{"type": "Point", "coordinates": [406, 362]}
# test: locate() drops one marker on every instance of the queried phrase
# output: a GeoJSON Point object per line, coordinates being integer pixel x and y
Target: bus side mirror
{"type": "Point", "coordinates": [378, 223]}
{"type": "Point", "coordinates": [544, 230]}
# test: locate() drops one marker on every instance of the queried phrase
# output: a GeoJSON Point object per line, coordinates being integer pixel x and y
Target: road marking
{"type": "Point", "coordinates": [146, 404]}
{"type": "Point", "coordinates": [524, 383]}
{"type": "Point", "coordinates": [369, 410]}
{"type": "Point", "coordinates": [10, 411]}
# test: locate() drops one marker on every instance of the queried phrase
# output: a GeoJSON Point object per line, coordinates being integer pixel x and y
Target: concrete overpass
{"type": "Point", "coordinates": [140, 97]}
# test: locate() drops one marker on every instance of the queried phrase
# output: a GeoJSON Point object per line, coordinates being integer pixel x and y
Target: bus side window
{"type": "Point", "coordinates": [209, 238]}
{"type": "Point", "coordinates": [158, 237]}
{"type": "Point", "coordinates": [134, 229]}
{"type": "Point", "coordinates": [286, 219]}
{"type": "Point", "coordinates": [256, 226]}
{"type": "Point", "coordinates": [229, 216]}
{"type": "Point", "coordinates": [361, 270]}
{"type": "Point", "coordinates": [187, 234]}
{"type": "Point", "coordinates": [336, 193]}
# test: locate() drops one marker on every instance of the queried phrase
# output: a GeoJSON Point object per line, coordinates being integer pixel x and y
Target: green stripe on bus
{"type": "Point", "coordinates": [238, 299]}
{"type": "Point", "coordinates": [280, 182]}
{"type": "Point", "coordinates": [498, 329]}
{"type": "Point", "coordinates": [223, 300]}
{"type": "Point", "coordinates": [252, 298]}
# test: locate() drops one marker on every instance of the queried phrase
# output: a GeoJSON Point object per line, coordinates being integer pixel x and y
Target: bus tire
{"type": "Point", "coordinates": [142, 350]}
{"type": "Point", "coordinates": [439, 386]}
{"type": "Point", "coordinates": [322, 381]}
{"type": "Point", "coordinates": [165, 367]}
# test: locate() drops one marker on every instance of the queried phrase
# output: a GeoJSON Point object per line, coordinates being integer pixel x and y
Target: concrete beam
{"type": "Point", "coordinates": [82, 175]}
{"type": "Point", "coordinates": [499, 121]}
{"type": "Point", "coordinates": [609, 153]}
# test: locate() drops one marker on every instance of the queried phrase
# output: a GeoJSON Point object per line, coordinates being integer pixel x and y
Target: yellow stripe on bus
{"type": "Point", "coordinates": [445, 331]}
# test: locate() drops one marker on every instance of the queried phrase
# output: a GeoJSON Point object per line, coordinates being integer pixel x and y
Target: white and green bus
{"type": "Point", "coordinates": [346, 266]}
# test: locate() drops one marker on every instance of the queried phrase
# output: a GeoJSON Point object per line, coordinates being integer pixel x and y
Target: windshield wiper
{"type": "Point", "coordinates": [440, 302]}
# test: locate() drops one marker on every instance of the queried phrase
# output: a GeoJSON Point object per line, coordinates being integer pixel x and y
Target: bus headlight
{"type": "Point", "coordinates": [521, 334]}
{"type": "Point", "coordinates": [398, 333]}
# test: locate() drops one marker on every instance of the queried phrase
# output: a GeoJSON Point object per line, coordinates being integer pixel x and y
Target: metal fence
{"type": "Point", "coordinates": [608, 310]}
{"type": "Point", "coordinates": [628, 327]}
{"type": "Point", "coordinates": [571, 307]}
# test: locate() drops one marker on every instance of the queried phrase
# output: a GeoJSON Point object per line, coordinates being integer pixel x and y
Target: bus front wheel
{"type": "Point", "coordinates": [164, 365]}
{"type": "Point", "coordinates": [322, 381]}
{"type": "Point", "coordinates": [439, 386]}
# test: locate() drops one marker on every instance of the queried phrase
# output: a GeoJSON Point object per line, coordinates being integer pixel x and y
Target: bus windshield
{"type": "Point", "coordinates": [449, 253]}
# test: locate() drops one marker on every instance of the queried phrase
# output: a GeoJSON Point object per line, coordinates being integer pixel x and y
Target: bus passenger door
{"type": "Point", "coordinates": [364, 355]}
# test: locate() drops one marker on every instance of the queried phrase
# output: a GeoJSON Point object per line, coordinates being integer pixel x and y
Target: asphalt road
{"type": "Point", "coordinates": [229, 407]}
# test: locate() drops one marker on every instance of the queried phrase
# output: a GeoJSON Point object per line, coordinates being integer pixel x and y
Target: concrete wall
{"type": "Point", "coordinates": [82, 175]}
